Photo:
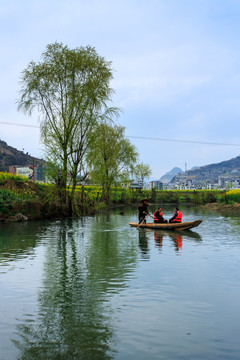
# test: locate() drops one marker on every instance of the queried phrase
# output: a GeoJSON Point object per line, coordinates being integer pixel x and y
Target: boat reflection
{"type": "Point", "coordinates": [158, 238]}
{"type": "Point", "coordinates": [177, 237]}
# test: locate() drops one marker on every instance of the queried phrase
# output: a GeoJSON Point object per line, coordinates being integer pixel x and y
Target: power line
{"type": "Point", "coordinates": [24, 125]}
{"type": "Point", "coordinates": [183, 141]}
{"type": "Point", "coordinates": [143, 137]}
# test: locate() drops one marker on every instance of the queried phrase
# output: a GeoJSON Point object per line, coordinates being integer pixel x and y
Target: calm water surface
{"type": "Point", "coordinates": [95, 288]}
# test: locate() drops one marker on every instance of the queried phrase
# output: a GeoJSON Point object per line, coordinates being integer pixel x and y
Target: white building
{"type": "Point", "coordinates": [158, 185]}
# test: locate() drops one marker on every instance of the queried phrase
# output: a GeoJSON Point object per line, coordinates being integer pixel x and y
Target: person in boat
{"type": "Point", "coordinates": [177, 216]}
{"type": "Point", "coordinates": [158, 216]}
{"type": "Point", "coordinates": [143, 211]}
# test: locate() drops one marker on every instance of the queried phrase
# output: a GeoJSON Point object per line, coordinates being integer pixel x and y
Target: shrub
{"type": "Point", "coordinates": [6, 195]}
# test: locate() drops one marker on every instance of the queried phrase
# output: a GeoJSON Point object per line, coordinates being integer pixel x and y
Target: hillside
{"type": "Point", "coordinates": [11, 156]}
{"type": "Point", "coordinates": [228, 169]}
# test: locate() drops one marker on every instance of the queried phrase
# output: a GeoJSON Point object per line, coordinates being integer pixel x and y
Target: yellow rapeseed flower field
{"type": "Point", "coordinates": [233, 195]}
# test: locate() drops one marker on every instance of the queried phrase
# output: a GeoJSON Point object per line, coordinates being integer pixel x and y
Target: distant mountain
{"type": "Point", "coordinates": [229, 168]}
{"type": "Point", "coordinates": [170, 175]}
{"type": "Point", "coordinates": [11, 156]}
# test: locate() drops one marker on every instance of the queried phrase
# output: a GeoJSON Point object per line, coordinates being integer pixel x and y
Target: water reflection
{"type": "Point", "coordinates": [178, 239]}
{"type": "Point", "coordinates": [18, 240]}
{"type": "Point", "coordinates": [83, 269]}
{"type": "Point", "coordinates": [158, 236]}
{"type": "Point", "coordinates": [96, 288]}
{"type": "Point", "coordinates": [143, 244]}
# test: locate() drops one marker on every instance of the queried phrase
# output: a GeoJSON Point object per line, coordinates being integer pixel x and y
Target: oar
{"type": "Point", "coordinates": [143, 220]}
{"type": "Point", "coordinates": [140, 223]}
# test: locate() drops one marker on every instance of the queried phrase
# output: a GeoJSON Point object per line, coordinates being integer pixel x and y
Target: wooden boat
{"type": "Point", "coordinates": [171, 226]}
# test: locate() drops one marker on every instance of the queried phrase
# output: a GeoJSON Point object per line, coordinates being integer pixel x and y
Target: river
{"type": "Point", "coordinates": [96, 288]}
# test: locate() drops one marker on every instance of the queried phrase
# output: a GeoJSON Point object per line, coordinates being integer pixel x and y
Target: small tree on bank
{"type": "Point", "coordinates": [71, 90]}
{"type": "Point", "coordinates": [142, 171]}
{"type": "Point", "coordinates": [111, 155]}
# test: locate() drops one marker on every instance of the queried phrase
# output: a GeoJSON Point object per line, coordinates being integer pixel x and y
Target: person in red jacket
{"type": "Point", "coordinates": [177, 216]}
{"type": "Point", "coordinates": [158, 216]}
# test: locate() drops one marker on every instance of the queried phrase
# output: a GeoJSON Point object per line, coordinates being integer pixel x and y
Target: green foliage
{"type": "Point", "coordinates": [188, 196]}
{"type": "Point", "coordinates": [4, 209]}
{"type": "Point", "coordinates": [109, 157]}
{"type": "Point", "coordinates": [6, 195]}
{"type": "Point", "coordinates": [16, 189]}
{"type": "Point", "coordinates": [42, 200]}
{"type": "Point", "coordinates": [71, 89]}
{"type": "Point", "coordinates": [142, 171]}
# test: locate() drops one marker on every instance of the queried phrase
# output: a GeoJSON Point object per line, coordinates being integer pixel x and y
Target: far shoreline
{"type": "Point", "coordinates": [235, 207]}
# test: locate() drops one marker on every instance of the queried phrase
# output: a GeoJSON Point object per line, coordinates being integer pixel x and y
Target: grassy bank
{"type": "Point", "coordinates": [19, 195]}
{"type": "Point", "coordinates": [125, 196]}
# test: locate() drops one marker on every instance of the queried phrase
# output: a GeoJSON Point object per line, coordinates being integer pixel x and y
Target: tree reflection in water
{"type": "Point", "coordinates": [82, 271]}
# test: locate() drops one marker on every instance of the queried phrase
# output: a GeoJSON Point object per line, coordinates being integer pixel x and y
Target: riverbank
{"type": "Point", "coordinates": [21, 199]}
{"type": "Point", "coordinates": [235, 207]}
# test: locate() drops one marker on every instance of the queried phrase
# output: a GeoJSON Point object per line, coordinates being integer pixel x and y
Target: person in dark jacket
{"type": "Point", "coordinates": [177, 216]}
{"type": "Point", "coordinates": [143, 211]}
{"type": "Point", "coordinates": [158, 216]}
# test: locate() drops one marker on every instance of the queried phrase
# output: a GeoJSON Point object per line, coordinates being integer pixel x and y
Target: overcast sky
{"type": "Point", "coordinates": [176, 71]}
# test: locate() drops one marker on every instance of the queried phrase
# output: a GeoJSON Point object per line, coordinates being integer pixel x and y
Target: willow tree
{"type": "Point", "coordinates": [110, 156]}
{"type": "Point", "coordinates": [71, 91]}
